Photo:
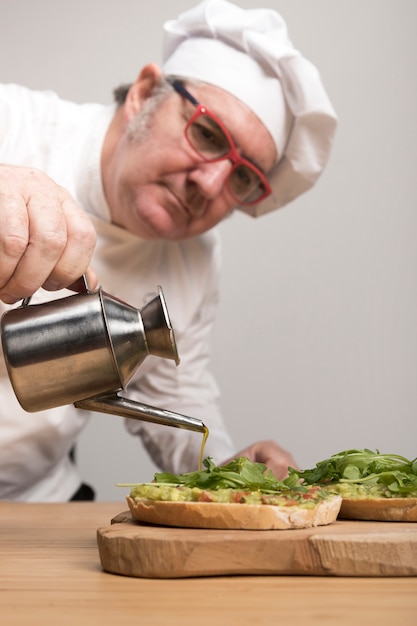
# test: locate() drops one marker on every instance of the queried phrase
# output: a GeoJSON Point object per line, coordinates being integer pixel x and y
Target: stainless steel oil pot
{"type": "Point", "coordinates": [84, 349]}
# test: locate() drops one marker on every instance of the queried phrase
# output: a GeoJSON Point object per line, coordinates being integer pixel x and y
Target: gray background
{"type": "Point", "coordinates": [316, 342]}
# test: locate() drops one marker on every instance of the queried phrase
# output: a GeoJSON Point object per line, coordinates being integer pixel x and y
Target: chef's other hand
{"type": "Point", "coordinates": [46, 239]}
{"type": "Point", "coordinates": [269, 452]}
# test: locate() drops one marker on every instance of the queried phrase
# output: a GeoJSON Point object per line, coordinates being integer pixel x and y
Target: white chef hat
{"type": "Point", "coordinates": [249, 54]}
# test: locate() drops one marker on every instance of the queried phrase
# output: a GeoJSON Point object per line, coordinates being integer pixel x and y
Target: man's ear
{"type": "Point", "coordinates": [149, 77]}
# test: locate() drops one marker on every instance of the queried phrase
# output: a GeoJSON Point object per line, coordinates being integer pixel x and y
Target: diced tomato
{"type": "Point", "coordinates": [205, 497]}
{"type": "Point", "coordinates": [240, 496]}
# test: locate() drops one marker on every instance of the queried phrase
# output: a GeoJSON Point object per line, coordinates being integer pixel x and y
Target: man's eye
{"type": "Point", "coordinates": [244, 178]}
{"type": "Point", "coordinates": [208, 138]}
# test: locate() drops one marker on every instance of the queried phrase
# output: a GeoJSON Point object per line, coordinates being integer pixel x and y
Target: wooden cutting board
{"type": "Point", "coordinates": [344, 548]}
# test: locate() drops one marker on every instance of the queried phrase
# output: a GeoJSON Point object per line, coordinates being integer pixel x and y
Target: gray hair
{"type": "Point", "coordinates": [139, 125]}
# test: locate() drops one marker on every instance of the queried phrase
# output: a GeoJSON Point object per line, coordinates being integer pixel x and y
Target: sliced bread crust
{"type": "Point", "coordinates": [233, 515]}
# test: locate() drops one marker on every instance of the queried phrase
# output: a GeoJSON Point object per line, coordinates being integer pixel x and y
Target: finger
{"type": "Point", "coordinates": [14, 235]}
{"type": "Point", "coordinates": [46, 239]}
{"type": "Point", "coordinates": [272, 455]}
{"type": "Point", "coordinates": [80, 285]}
{"type": "Point", "coordinates": [78, 250]}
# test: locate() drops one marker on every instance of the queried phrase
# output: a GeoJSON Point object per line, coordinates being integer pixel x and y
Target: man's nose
{"type": "Point", "coordinates": [211, 177]}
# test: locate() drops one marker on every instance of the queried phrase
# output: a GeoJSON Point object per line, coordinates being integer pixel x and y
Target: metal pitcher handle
{"type": "Point", "coordinates": [83, 282]}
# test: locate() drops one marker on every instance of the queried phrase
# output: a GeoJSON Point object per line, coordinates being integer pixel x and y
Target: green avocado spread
{"type": "Point", "coordinates": [307, 498]}
{"type": "Point", "coordinates": [354, 491]}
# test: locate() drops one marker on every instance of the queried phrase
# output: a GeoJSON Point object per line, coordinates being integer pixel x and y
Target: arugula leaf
{"type": "Point", "coordinates": [397, 473]}
{"type": "Point", "coordinates": [240, 473]}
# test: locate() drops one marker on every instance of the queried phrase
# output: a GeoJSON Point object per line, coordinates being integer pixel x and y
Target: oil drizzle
{"type": "Point", "coordinates": [203, 445]}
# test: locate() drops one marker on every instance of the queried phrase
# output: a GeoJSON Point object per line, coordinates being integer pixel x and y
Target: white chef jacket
{"type": "Point", "coordinates": [64, 140]}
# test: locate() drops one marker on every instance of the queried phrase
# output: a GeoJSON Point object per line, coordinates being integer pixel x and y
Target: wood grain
{"type": "Point", "coordinates": [345, 548]}
{"type": "Point", "coordinates": [50, 574]}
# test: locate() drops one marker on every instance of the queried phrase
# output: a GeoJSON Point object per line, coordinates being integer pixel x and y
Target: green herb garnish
{"type": "Point", "coordinates": [395, 473]}
{"type": "Point", "coordinates": [241, 473]}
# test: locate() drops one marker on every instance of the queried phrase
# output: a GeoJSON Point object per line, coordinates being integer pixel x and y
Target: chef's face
{"type": "Point", "coordinates": [156, 185]}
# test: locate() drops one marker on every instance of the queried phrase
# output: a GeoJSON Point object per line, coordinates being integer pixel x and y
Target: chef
{"type": "Point", "coordinates": [130, 194]}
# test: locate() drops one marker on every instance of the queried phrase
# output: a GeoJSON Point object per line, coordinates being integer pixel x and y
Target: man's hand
{"type": "Point", "coordinates": [46, 240]}
{"type": "Point", "coordinates": [269, 452]}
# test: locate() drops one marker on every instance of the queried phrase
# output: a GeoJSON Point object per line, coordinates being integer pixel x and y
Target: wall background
{"type": "Point", "coordinates": [316, 340]}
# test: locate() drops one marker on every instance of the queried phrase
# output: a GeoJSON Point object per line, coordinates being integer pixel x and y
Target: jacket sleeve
{"type": "Point", "coordinates": [188, 389]}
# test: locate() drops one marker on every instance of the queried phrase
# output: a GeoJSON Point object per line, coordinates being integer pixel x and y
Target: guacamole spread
{"type": "Point", "coordinates": [306, 498]}
{"type": "Point", "coordinates": [355, 491]}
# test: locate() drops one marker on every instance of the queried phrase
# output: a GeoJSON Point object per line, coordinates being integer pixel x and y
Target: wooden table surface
{"type": "Point", "coordinates": [50, 574]}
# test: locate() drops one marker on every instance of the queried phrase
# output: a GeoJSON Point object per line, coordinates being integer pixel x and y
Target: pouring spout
{"type": "Point", "coordinates": [124, 407]}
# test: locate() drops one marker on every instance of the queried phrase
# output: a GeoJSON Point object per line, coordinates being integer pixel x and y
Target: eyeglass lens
{"type": "Point", "coordinates": [210, 141]}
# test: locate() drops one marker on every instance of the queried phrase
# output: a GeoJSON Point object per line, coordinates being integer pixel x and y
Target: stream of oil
{"type": "Point", "coordinates": [203, 445]}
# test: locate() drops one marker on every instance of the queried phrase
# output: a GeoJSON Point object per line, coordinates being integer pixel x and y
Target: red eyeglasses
{"type": "Point", "coordinates": [208, 136]}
